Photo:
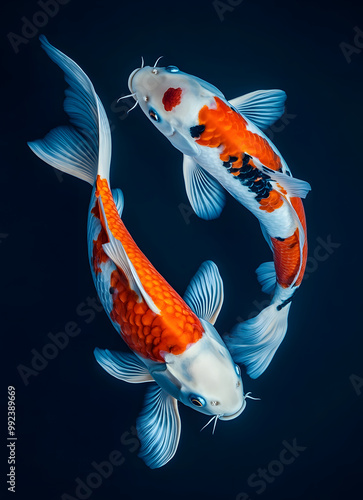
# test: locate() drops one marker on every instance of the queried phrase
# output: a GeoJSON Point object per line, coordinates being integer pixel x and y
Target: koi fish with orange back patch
{"type": "Point", "coordinates": [225, 149]}
{"type": "Point", "coordinates": [173, 342]}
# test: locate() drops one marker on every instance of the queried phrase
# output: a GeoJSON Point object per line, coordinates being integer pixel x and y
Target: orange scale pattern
{"type": "Point", "coordinates": [145, 332]}
{"type": "Point", "coordinates": [224, 127]}
{"type": "Point", "coordinates": [287, 252]}
{"type": "Point", "coordinates": [272, 202]}
{"type": "Point", "coordinates": [286, 258]}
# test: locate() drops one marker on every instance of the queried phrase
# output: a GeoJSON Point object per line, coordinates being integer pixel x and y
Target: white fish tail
{"type": "Point", "coordinates": [82, 149]}
{"type": "Point", "coordinates": [255, 341]}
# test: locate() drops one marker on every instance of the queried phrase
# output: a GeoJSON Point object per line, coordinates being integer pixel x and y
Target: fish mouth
{"type": "Point", "coordinates": [234, 415]}
{"type": "Point", "coordinates": [130, 80]}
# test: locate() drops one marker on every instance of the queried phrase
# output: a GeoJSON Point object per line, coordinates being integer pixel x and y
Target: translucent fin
{"type": "Point", "coordinates": [206, 195]}
{"type": "Point", "coordinates": [204, 294]}
{"type": "Point", "coordinates": [254, 342]}
{"type": "Point", "coordinates": [116, 252]}
{"type": "Point", "coordinates": [262, 107]}
{"type": "Point", "coordinates": [266, 276]}
{"type": "Point", "coordinates": [124, 366]}
{"type": "Point", "coordinates": [118, 198]}
{"type": "Point", "coordinates": [66, 150]}
{"type": "Point", "coordinates": [158, 427]}
{"type": "Point", "coordinates": [84, 149]}
{"type": "Point", "coordinates": [293, 186]}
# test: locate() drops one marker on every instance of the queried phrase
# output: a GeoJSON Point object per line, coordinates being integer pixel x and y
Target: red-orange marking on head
{"type": "Point", "coordinates": [145, 332]}
{"type": "Point", "coordinates": [172, 98]}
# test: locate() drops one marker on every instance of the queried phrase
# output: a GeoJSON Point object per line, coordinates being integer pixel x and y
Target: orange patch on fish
{"type": "Point", "coordinates": [286, 258]}
{"type": "Point", "coordinates": [299, 209]}
{"type": "Point", "coordinates": [146, 332]}
{"type": "Point", "coordinates": [225, 127]}
{"type": "Point", "coordinates": [273, 201]}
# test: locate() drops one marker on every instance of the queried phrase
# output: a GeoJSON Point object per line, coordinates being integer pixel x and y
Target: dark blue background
{"type": "Point", "coordinates": [72, 413]}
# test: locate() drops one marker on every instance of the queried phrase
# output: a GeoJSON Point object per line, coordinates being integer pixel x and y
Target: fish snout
{"type": "Point", "coordinates": [236, 414]}
{"type": "Point", "coordinates": [131, 78]}
{"type": "Point", "coordinates": [145, 81]}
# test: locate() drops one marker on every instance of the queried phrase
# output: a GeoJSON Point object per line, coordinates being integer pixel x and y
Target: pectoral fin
{"type": "Point", "coordinates": [204, 294]}
{"type": "Point", "coordinates": [124, 366]}
{"type": "Point", "coordinates": [262, 107]}
{"type": "Point", "coordinates": [116, 252]}
{"type": "Point", "coordinates": [266, 276]}
{"type": "Point", "coordinates": [158, 427]}
{"type": "Point", "coordinates": [206, 195]}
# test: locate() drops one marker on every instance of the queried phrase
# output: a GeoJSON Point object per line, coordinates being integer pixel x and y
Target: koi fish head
{"type": "Point", "coordinates": [205, 377]}
{"type": "Point", "coordinates": [172, 99]}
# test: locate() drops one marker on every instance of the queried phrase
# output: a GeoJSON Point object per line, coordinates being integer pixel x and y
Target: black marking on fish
{"type": "Point", "coordinates": [254, 179]}
{"type": "Point", "coordinates": [257, 182]}
{"type": "Point", "coordinates": [278, 238]}
{"type": "Point", "coordinates": [245, 160]}
{"type": "Point", "coordinates": [284, 303]}
{"type": "Point", "coordinates": [112, 290]}
{"type": "Point", "coordinates": [231, 159]}
{"type": "Point", "coordinates": [197, 130]}
{"type": "Point", "coordinates": [229, 164]}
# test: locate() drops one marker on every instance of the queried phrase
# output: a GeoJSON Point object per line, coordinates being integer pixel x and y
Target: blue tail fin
{"type": "Point", "coordinates": [254, 342]}
{"type": "Point", "coordinates": [84, 149]}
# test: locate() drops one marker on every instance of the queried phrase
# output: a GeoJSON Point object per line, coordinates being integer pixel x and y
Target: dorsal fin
{"type": "Point", "coordinates": [262, 107]}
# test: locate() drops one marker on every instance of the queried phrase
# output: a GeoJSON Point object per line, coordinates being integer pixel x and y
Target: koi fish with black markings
{"type": "Point", "coordinates": [225, 149]}
{"type": "Point", "coordinates": [173, 342]}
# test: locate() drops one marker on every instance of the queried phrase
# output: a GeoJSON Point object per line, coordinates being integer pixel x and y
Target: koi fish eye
{"type": "Point", "coordinates": [154, 116]}
{"type": "Point", "coordinates": [172, 69]}
{"type": "Point", "coordinates": [238, 370]}
{"type": "Point", "coordinates": [197, 400]}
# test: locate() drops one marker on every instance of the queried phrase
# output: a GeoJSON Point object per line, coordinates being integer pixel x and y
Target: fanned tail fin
{"type": "Point", "coordinates": [255, 341]}
{"type": "Point", "coordinates": [84, 148]}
